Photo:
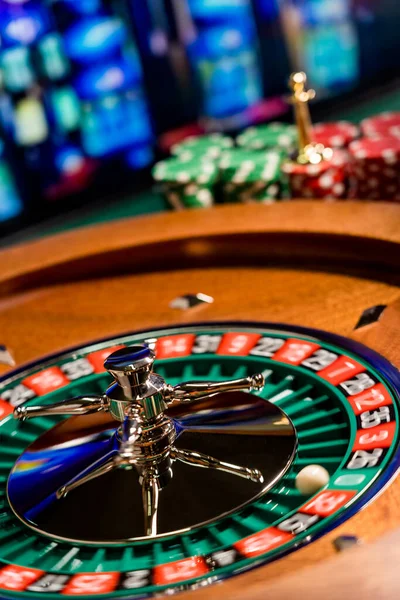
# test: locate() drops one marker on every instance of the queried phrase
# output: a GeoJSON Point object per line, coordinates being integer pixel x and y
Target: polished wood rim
{"type": "Point", "coordinates": [346, 236]}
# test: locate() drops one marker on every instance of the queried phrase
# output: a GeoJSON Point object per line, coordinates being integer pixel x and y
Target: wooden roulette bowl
{"type": "Point", "coordinates": [302, 265]}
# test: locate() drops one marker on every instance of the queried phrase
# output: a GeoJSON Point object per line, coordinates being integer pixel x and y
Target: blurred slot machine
{"type": "Point", "coordinates": [33, 62]}
{"type": "Point", "coordinates": [168, 77]}
{"type": "Point", "coordinates": [322, 40]}
{"type": "Point", "coordinates": [107, 80]}
{"type": "Point", "coordinates": [11, 203]}
{"type": "Point", "coordinates": [20, 27]}
{"type": "Point", "coordinates": [273, 48]}
{"type": "Point", "coordinates": [72, 96]}
{"type": "Point", "coordinates": [223, 53]}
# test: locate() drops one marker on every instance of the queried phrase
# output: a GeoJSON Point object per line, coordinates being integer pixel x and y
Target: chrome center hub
{"type": "Point", "coordinates": [162, 451]}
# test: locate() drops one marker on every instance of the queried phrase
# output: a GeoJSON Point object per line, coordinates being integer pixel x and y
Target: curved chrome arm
{"type": "Point", "coordinates": [198, 459]}
{"type": "Point", "coordinates": [195, 390]}
{"type": "Point", "coordinates": [81, 405]}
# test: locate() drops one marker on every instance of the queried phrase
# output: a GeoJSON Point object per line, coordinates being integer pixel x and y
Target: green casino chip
{"type": "Point", "coordinates": [254, 178]}
{"type": "Point", "coordinates": [239, 160]}
{"type": "Point", "coordinates": [190, 196]}
{"type": "Point", "coordinates": [186, 184]}
{"type": "Point", "coordinates": [174, 171]}
{"type": "Point", "coordinates": [273, 135]}
{"type": "Point", "coordinates": [266, 170]}
{"type": "Point", "coordinates": [259, 192]}
{"type": "Point", "coordinates": [207, 145]}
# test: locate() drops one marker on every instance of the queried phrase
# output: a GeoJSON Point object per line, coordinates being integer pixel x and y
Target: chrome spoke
{"type": "Point", "coordinates": [87, 475]}
{"type": "Point", "coordinates": [150, 495]}
{"type": "Point", "coordinates": [198, 459]}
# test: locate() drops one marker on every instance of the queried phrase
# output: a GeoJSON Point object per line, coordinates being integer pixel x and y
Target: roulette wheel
{"type": "Point", "coordinates": [204, 403]}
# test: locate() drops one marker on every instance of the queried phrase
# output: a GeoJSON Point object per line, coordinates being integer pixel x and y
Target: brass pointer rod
{"type": "Point", "coordinates": [300, 99]}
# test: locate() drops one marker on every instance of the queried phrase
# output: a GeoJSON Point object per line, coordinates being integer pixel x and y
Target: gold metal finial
{"type": "Point", "coordinates": [308, 152]}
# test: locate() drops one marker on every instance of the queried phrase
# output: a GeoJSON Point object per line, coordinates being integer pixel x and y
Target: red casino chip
{"type": "Point", "coordinates": [293, 168]}
{"type": "Point", "coordinates": [374, 169]}
{"type": "Point", "coordinates": [383, 125]}
{"type": "Point", "coordinates": [337, 134]}
{"type": "Point", "coordinates": [385, 150]}
{"type": "Point", "coordinates": [327, 180]}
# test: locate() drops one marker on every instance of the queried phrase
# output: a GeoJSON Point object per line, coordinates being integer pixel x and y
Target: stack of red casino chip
{"type": "Point", "coordinates": [337, 134]}
{"type": "Point", "coordinates": [381, 126]}
{"type": "Point", "coordinates": [326, 180]}
{"type": "Point", "coordinates": [375, 169]}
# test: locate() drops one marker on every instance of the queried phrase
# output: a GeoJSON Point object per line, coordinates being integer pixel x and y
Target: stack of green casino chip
{"type": "Point", "coordinates": [271, 136]}
{"type": "Point", "coordinates": [208, 167]}
{"type": "Point", "coordinates": [203, 147]}
{"type": "Point", "coordinates": [251, 176]}
{"type": "Point", "coordinates": [187, 184]}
